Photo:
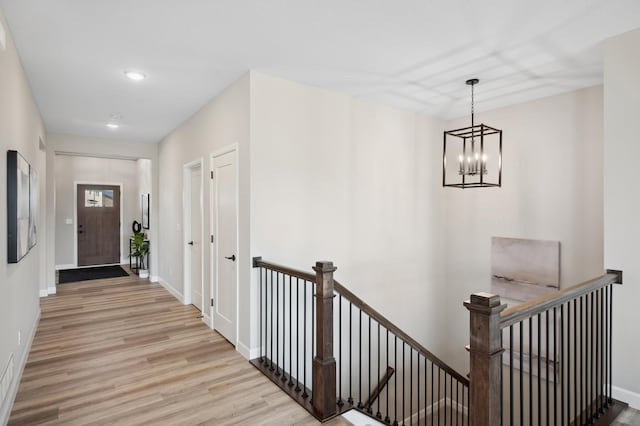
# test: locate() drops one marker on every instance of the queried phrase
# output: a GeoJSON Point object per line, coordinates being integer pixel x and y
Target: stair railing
{"type": "Point", "coordinates": [388, 375]}
{"type": "Point", "coordinates": [547, 361]}
{"type": "Point", "coordinates": [360, 359]}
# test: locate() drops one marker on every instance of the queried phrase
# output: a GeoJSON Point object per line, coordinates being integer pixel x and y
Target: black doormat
{"type": "Point", "coordinates": [84, 274]}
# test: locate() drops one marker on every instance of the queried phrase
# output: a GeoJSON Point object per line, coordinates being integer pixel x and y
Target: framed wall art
{"type": "Point", "coordinates": [18, 200]}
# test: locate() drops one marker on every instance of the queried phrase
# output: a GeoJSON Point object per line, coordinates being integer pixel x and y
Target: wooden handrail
{"type": "Point", "coordinates": [542, 304]}
{"type": "Point", "coordinates": [259, 263]}
{"type": "Point", "coordinates": [359, 303]}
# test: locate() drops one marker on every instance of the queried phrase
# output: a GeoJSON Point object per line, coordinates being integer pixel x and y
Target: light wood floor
{"type": "Point", "coordinates": [124, 351]}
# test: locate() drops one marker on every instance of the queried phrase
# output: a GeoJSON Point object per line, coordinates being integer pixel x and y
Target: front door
{"type": "Point", "coordinates": [98, 225]}
{"type": "Point", "coordinates": [195, 239]}
{"type": "Point", "coordinates": [225, 254]}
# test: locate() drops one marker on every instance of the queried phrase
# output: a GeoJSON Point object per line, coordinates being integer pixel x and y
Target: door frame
{"type": "Point", "coordinates": [75, 219]}
{"type": "Point", "coordinates": [186, 230]}
{"type": "Point", "coordinates": [214, 232]}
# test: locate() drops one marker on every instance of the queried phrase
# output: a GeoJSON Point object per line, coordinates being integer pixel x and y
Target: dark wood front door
{"type": "Point", "coordinates": [98, 224]}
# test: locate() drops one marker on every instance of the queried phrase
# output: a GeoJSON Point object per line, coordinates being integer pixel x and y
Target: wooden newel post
{"type": "Point", "coordinates": [486, 359]}
{"type": "Point", "coordinates": [324, 364]}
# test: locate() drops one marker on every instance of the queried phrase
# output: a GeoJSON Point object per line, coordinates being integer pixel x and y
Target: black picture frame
{"type": "Point", "coordinates": [145, 211]}
{"type": "Point", "coordinates": [18, 211]}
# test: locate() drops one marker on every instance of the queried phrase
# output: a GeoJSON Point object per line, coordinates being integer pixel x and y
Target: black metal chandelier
{"type": "Point", "coordinates": [477, 151]}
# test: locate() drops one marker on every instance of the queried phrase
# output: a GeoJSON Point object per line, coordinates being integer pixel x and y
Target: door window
{"type": "Point", "coordinates": [98, 198]}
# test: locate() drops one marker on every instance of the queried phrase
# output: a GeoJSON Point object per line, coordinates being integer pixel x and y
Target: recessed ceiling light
{"type": "Point", "coordinates": [135, 75]}
{"type": "Point", "coordinates": [113, 126]}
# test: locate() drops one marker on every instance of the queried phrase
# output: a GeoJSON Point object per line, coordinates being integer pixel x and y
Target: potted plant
{"type": "Point", "coordinates": [140, 251]}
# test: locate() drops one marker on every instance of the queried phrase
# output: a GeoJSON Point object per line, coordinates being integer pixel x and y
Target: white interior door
{"type": "Point", "coordinates": [195, 240]}
{"type": "Point", "coordinates": [225, 262]}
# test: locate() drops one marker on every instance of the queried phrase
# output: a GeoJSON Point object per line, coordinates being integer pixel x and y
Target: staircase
{"type": "Point", "coordinates": [331, 352]}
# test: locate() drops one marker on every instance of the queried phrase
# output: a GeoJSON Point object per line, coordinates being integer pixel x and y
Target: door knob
{"type": "Point", "coordinates": [190, 243]}
{"type": "Point", "coordinates": [231, 258]}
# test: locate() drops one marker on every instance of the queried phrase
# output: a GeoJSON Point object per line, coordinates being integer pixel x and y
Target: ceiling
{"type": "Point", "coordinates": [413, 54]}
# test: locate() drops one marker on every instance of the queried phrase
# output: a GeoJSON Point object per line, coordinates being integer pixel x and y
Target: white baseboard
{"type": "Point", "coordinates": [67, 266]}
{"type": "Point", "coordinates": [44, 293]}
{"type": "Point", "coordinates": [244, 350]}
{"type": "Point", "coordinates": [51, 290]}
{"type": "Point", "coordinates": [624, 395]}
{"type": "Point", "coordinates": [154, 278]}
{"type": "Point", "coordinates": [248, 353]}
{"type": "Point", "coordinates": [175, 293]}
{"type": "Point", "coordinates": [5, 409]}
{"type": "Point", "coordinates": [206, 319]}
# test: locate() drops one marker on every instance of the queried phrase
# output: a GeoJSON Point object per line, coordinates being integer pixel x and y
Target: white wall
{"type": "Point", "coordinates": [20, 129]}
{"type": "Point", "coordinates": [621, 204]}
{"type": "Point", "coordinates": [224, 121]}
{"type": "Point", "coordinates": [552, 190]}
{"type": "Point", "coordinates": [70, 170]}
{"type": "Point", "coordinates": [357, 183]}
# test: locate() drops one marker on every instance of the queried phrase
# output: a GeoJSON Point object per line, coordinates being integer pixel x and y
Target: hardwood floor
{"type": "Point", "coordinates": [124, 351]}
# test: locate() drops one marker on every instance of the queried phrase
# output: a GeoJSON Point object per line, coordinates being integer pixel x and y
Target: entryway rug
{"type": "Point", "coordinates": [95, 273]}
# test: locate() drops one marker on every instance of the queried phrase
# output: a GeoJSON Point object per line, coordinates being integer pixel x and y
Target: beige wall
{"type": "Point", "coordinates": [336, 178]}
{"type": "Point", "coordinates": [21, 129]}
{"type": "Point", "coordinates": [223, 122]}
{"type": "Point", "coordinates": [70, 170]}
{"type": "Point", "coordinates": [552, 190]}
{"type": "Point", "coordinates": [621, 204]}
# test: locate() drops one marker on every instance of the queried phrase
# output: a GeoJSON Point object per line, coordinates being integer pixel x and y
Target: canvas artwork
{"type": "Point", "coordinates": [34, 206]}
{"type": "Point", "coordinates": [17, 206]}
{"type": "Point", "coordinates": [524, 269]}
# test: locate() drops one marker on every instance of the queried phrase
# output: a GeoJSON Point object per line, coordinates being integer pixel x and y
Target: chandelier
{"type": "Point", "coordinates": [477, 152]}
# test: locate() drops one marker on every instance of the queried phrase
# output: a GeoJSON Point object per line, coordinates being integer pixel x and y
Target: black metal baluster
{"type": "Point", "coordinates": [450, 397]}
{"type": "Point", "coordinates": [555, 366]}
{"type": "Point", "coordinates": [458, 405]}
{"type": "Point", "coordinates": [418, 387]}
{"type": "Point", "coordinates": [561, 365]}
{"type": "Point", "coordinates": [313, 325]}
{"type": "Point", "coordinates": [601, 375]}
{"type": "Point", "coordinates": [403, 385]}
{"type": "Point", "coordinates": [284, 328]}
{"type": "Point", "coordinates": [350, 400]}
{"type": "Point", "coordinates": [360, 356]}
{"type": "Point", "coordinates": [510, 375]}
{"type": "Point", "coordinates": [610, 398]}
{"type": "Point", "coordinates": [378, 414]}
{"type": "Point", "coordinates": [277, 322]}
{"type": "Point", "coordinates": [439, 372]}
{"type": "Point", "coordinates": [546, 318]}
{"type": "Point", "coordinates": [432, 394]}
{"type": "Point", "coordinates": [369, 410]}
{"type": "Point", "coordinates": [395, 378]}
{"type": "Point", "coordinates": [445, 398]}
{"type": "Point", "coordinates": [521, 373]}
{"type": "Point", "coordinates": [530, 371]}
{"type": "Point", "coordinates": [576, 391]}
{"type": "Point", "coordinates": [598, 339]}
{"type": "Point", "coordinates": [271, 317]}
{"type": "Point", "coordinates": [340, 401]}
{"type": "Point", "coordinates": [260, 306]}
{"type": "Point", "coordinates": [426, 363]}
{"type": "Point", "coordinates": [501, 378]}
{"type": "Point", "coordinates": [290, 335]}
{"type": "Point", "coordinates": [304, 343]}
{"type": "Point", "coordinates": [581, 340]}
{"type": "Point", "coordinates": [410, 385]}
{"type": "Point", "coordinates": [539, 368]}
{"type": "Point", "coordinates": [591, 346]}
{"type": "Point", "coordinates": [387, 419]}
{"type": "Point", "coordinates": [298, 334]}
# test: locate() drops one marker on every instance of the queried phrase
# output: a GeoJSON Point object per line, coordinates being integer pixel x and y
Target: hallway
{"type": "Point", "coordinates": [124, 351]}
